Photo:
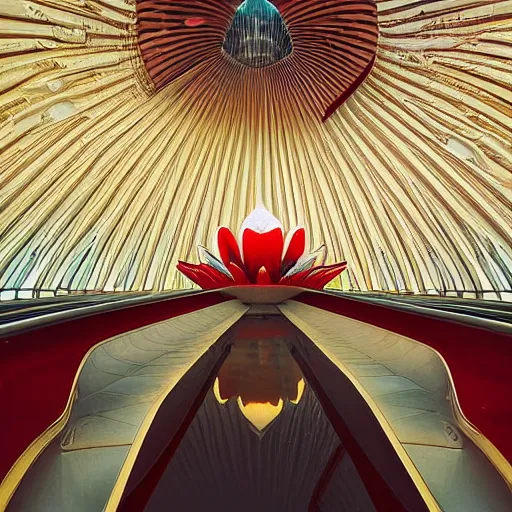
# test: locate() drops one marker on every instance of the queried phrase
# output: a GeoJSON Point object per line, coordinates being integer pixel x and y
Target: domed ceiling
{"type": "Point", "coordinates": [130, 130]}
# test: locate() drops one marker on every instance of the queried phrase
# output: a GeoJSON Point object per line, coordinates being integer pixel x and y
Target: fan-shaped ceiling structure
{"type": "Point", "coordinates": [130, 130]}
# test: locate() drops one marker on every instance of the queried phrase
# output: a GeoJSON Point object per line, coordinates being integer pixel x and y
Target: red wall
{"type": "Point", "coordinates": [480, 360]}
{"type": "Point", "coordinates": [37, 368]}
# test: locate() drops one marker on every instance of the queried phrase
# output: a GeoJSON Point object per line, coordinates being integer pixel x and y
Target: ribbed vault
{"type": "Point", "coordinates": [108, 177]}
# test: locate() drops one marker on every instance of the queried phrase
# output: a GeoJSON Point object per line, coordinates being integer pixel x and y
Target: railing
{"type": "Point", "coordinates": [9, 294]}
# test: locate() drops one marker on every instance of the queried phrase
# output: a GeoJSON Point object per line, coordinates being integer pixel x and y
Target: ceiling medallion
{"type": "Point", "coordinates": [315, 52]}
{"type": "Point", "coordinates": [258, 35]}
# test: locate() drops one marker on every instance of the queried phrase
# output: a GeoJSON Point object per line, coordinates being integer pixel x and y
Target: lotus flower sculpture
{"type": "Point", "coordinates": [262, 256]}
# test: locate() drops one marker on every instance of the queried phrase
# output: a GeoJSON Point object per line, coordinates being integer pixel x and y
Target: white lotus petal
{"type": "Point", "coordinates": [261, 221]}
{"type": "Point", "coordinates": [205, 256]}
{"type": "Point", "coordinates": [306, 262]}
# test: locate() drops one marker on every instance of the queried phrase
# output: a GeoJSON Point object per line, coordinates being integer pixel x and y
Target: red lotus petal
{"type": "Point", "coordinates": [203, 275]}
{"type": "Point", "coordinates": [196, 275]}
{"type": "Point", "coordinates": [296, 279]}
{"type": "Point", "coordinates": [321, 276]}
{"type": "Point", "coordinates": [295, 250]}
{"type": "Point", "coordinates": [263, 277]}
{"type": "Point", "coordinates": [263, 250]}
{"type": "Point", "coordinates": [238, 274]}
{"type": "Point", "coordinates": [217, 275]}
{"type": "Point", "coordinates": [228, 248]}
{"type": "Point", "coordinates": [316, 277]}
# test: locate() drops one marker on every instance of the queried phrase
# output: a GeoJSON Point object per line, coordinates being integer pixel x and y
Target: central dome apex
{"type": "Point", "coordinates": [258, 35]}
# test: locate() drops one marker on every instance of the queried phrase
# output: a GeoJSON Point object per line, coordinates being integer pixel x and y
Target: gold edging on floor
{"type": "Point", "coordinates": [492, 453]}
{"type": "Point", "coordinates": [415, 475]}
{"type": "Point", "coordinates": [494, 456]}
{"type": "Point", "coordinates": [119, 487]}
{"type": "Point", "coordinates": [409, 465]}
{"type": "Point", "coordinates": [15, 475]}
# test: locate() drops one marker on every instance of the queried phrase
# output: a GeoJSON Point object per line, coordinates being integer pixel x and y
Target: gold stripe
{"type": "Point", "coordinates": [14, 477]}
{"type": "Point", "coordinates": [126, 469]}
{"type": "Point", "coordinates": [492, 453]}
{"type": "Point", "coordinates": [415, 475]}
{"type": "Point", "coordinates": [494, 456]}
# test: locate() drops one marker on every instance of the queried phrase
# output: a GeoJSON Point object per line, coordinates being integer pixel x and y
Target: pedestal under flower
{"type": "Point", "coordinates": [262, 255]}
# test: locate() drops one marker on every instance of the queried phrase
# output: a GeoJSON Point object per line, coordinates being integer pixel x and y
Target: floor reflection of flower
{"type": "Point", "coordinates": [260, 374]}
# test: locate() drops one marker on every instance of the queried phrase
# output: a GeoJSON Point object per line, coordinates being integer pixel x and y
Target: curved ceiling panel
{"type": "Point", "coordinates": [318, 52]}
{"type": "Point", "coordinates": [111, 171]}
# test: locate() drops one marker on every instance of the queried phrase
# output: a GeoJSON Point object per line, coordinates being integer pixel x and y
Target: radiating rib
{"type": "Point", "coordinates": [105, 183]}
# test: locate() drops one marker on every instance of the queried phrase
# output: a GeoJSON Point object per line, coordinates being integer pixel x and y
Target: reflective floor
{"type": "Point", "coordinates": [260, 440]}
{"type": "Point", "coordinates": [274, 408]}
